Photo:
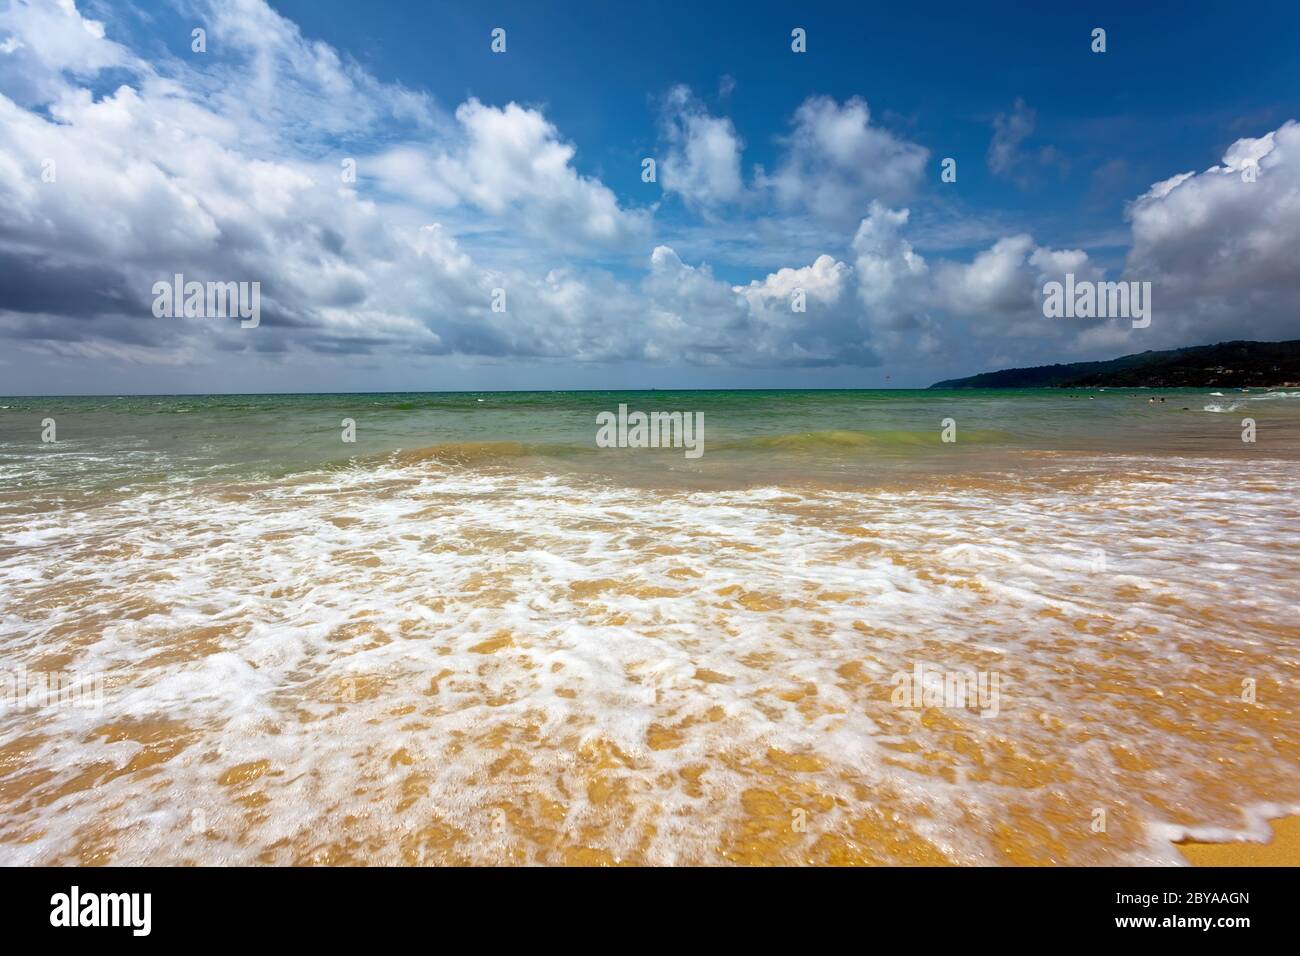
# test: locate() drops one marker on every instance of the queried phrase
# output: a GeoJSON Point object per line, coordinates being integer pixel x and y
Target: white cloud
{"type": "Point", "coordinates": [165, 168]}
{"type": "Point", "coordinates": [261, 69]}
{"type": "Point", "coordinates": [889, 271]}
{"type": "Point", "coordinates": [823, 281]}
{"type": "Point", "coordinates": [511, 163]}
{"type": "Point", "coordinates": [1220, 249]}
{"type": "Point", "coordinates": [832, 330]}
{"type": "Point", "coordinates": [702, 164]}
{"type": "Point", "coordinates": [836, 162]}
{"type": "Point", "coordinates": [40, 41]}
{"type": "Point", "coordinates": [226, 167]}
{"type": "Point", "coordinates": [912, 302]}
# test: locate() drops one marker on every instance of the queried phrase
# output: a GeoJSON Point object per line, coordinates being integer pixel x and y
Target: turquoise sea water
{"type": "Point", "coordinates": [748, 435]}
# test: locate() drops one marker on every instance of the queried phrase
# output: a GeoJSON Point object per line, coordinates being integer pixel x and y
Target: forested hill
{"type": "Point", "coordinates": [1228, 364]}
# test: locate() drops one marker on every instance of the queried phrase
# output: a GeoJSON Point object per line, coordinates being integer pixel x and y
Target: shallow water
{"type": "Point", "coordinates": [475, 637]}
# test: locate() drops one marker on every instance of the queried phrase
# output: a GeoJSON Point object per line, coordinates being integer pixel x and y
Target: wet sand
{"type": "Point", "coordinates": [1283, 849]}
{"type": "Point", "coordinates": [414, 663]}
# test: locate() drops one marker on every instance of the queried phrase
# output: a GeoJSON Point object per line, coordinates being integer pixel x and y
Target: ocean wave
{"type": "Point", "coordinates": [474, 453]}
{"type": "Point", "coordinates": [842, 439]}
{"type": "Point", "coordinates": [471, 452]}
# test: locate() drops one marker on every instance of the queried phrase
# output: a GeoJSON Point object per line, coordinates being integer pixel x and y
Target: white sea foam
{"type": "Point", "coordinates": [303, 624]}
{"type": "Point", "coordinates": [1253, 828]}
{"type": "Point", "coordinates": [1267, 395]}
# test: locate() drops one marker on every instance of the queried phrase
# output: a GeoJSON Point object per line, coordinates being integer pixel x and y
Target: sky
{"type": "Point", "coordinates": [420, 211]}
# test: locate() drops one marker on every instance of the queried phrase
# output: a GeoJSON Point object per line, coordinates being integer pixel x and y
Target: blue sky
{"type": "Point", "coordinates": [1178, 83]}
{"type": "Point", "coordinates": [522, 171]}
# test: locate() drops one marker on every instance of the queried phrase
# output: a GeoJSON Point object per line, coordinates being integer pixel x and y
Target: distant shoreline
{"type": "Point", "coordinates": [1262, 365]}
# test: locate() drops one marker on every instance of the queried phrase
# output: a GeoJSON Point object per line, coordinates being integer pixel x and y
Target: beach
{"type": "Point", "coordinates": [474, 636]}
{"type": "Point", "coordinates": [1281, 847]}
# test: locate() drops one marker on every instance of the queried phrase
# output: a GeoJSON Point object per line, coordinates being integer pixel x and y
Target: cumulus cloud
{"type": "Point", "coordinates": [40, 41]}
{"type": "Point", "coordinates": [998, 292]}
{"type": "Point", "coordinates": [823, 281]}
{"type": "Point", "coordinates": [102, 197]}
{"type": "Point", "coordinates": [704, 321]}
{"type": "Point", "coordinates": [890, 273]}
{"type": "Point", "coordinates": [510, 162]}
{"type": "Point", "coordinates": [702, 164]}
{"type": "Point", "coordinates": [1220, 246]}
{"type": "Point", "coordinates": [226, 168]}
{"type": "Point", "coordinates": [692, 315]}
{"type": "Point", "coordinates": [831, 331]}
{"type": "Point", "coordinates": [996, 282]}
{"type": "Point", "coordinates": [158, 177]}
{"type": "Point", "coordinates": [837, 162]}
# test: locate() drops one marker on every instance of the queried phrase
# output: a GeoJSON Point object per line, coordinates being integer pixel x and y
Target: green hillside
{"type": "Point", "coordinates": [1228, 364]}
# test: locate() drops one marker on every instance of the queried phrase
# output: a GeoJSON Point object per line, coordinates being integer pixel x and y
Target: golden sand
{"type": "Point", "coordinates": [1282, 850]}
